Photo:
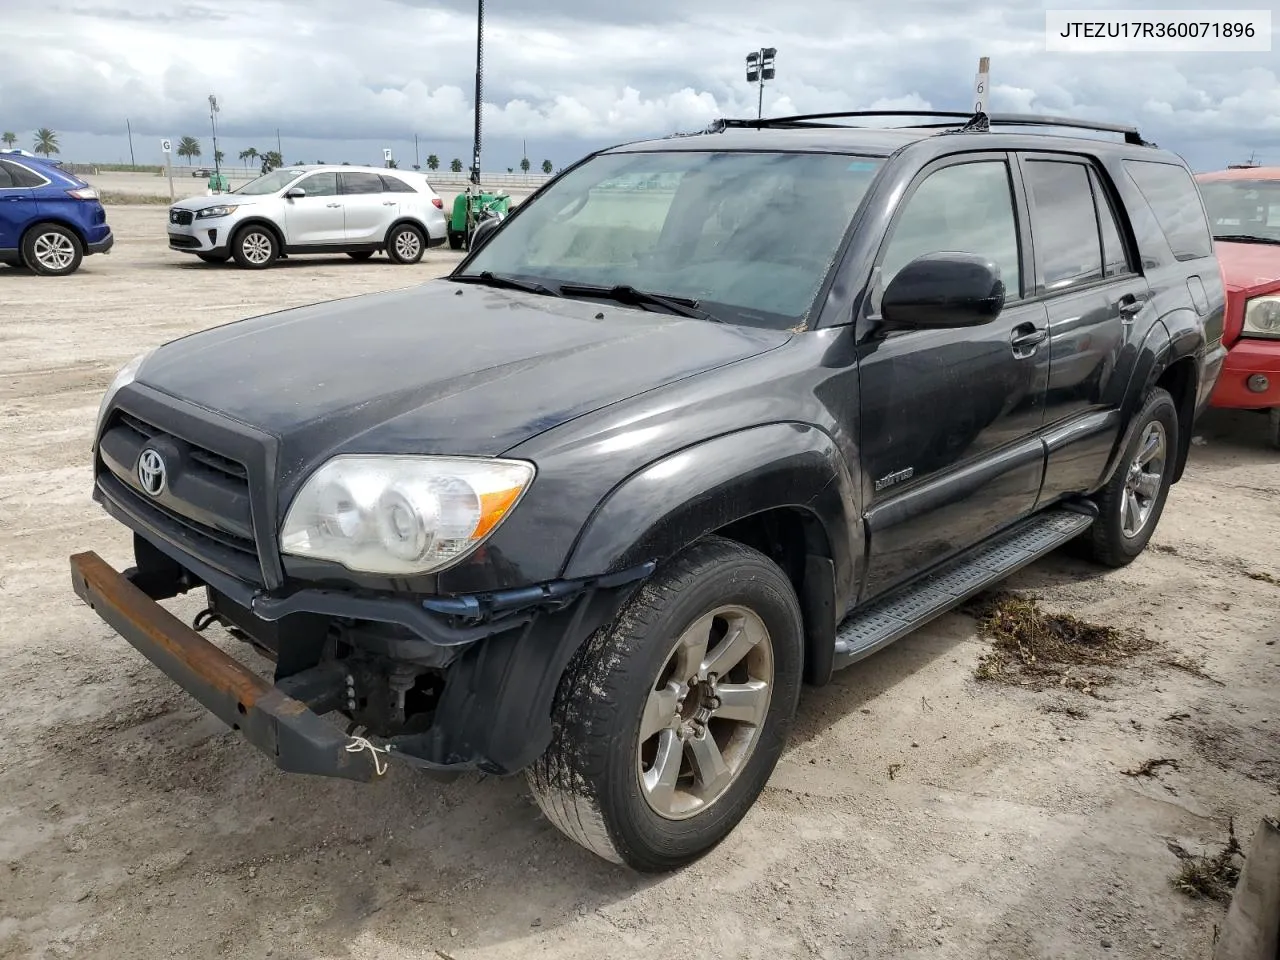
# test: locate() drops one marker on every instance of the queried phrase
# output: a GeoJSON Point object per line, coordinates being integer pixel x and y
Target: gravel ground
{"type": "Point", "coordinates": [133, 825]}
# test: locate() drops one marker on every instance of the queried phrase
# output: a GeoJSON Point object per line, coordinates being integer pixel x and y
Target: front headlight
{"type": "Point", "coordinates": [1262, 317]}
{"type": "Point", "coordinates": [222, 210]}
{"type": "Point", "coordinates": [122, 379]}
{"type": "Point", "coordinates": [401, 514]}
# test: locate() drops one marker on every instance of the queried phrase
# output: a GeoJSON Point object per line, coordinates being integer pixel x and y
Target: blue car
{"type": "Point", "coordinates": [49, 219]}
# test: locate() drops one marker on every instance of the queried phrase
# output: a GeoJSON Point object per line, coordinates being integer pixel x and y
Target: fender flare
{"type": "Point", "coordinates": [1159, 351]}
{"type": "Point", "coordinates": [401, 221]}
{"type": "Point", "coordinates": [662, 508]}
{"type": "Point", "coordinates": [257, 222]}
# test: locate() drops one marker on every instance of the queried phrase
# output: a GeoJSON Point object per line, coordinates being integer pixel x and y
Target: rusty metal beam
{"type": "Point", "coordinates": [296, 739]}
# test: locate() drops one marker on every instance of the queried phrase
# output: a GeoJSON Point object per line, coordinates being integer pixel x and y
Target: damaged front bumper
{"type": "Point", "coordinates": [493, 714]}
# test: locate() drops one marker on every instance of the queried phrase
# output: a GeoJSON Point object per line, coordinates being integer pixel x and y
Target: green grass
{"type": "Point", "coordinates": [112, 198]}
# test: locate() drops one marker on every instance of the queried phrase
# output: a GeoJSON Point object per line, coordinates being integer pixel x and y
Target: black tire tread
{"type": "Point", "coordinates": [581, 748]}
{"type": "Point", "coordinates": [1101, 543]}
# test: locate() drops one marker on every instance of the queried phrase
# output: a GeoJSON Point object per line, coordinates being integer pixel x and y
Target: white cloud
{"type": "Point", "coordinates": [572, 73]}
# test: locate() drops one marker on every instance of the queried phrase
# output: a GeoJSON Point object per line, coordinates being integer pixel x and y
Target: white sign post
{"type": "Point", "coordinates": [167, 147]}
{"type": "Point", "coordinates": [386, 156]}
{"type": "Point", "coordinates": [982, 85]}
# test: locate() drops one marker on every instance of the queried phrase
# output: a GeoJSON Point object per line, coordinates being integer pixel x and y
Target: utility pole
{"type": "Point", "coordinates": [127, 126]}
{"type": "Point", "coordinates": [417, 165]}
{"type": "Point", "coordinates": [759, 69]}
{"type": "Point", "coordinates": [213, 122]}
{"type": "Point", "coordinates": [475, 149]}
{"type": "Point", "coordinates": [279, 149]}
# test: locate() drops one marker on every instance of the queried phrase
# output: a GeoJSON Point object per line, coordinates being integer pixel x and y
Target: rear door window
{"type": "Point", "coordinates": [6, 178]}
{"type": "Point", "coordinates": [1175, 201]}
{"type": "Point", "coordinates": [360, 183]}
{"type": "Point", "coordinates": [320, 184]}
{"type": "Point", "coordinates": [1064, 224]}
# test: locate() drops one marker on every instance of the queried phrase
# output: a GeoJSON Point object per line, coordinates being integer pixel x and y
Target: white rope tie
{"type": "Point", "coordinates": [359, 744]}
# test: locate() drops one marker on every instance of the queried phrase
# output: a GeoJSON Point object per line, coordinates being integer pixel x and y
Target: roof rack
{"type": "Point", "coordinates": [970, 122]}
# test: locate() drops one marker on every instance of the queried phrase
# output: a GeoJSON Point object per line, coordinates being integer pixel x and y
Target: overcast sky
{"type": "Point", "coordinates": [343, 79]}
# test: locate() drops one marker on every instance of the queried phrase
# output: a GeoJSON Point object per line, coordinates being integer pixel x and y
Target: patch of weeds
{"type": "Point", "coordinates": [1149, 768]}
{"type": "Point", "coordinates": [1210, 877]}
{"type": "Point", "coordinates": [1075, 713]}
{"type": "Point", "coordinates": [1033, 648]}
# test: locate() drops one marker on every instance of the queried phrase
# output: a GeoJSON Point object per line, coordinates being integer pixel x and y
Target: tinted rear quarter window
{"type": "Point", "coordinates": [1175, 201]}
{"type": "Point", "coordinates": [6, 178]}
{"type": "Point", "coordinates": [395, 185]}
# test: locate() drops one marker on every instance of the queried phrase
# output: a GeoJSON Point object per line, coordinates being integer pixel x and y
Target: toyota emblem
{"type": "Point", "coordinates": [151, 472]}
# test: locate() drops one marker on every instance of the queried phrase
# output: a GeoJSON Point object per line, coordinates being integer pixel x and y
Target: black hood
{"type": "Point", "coordinates": [441, 368]}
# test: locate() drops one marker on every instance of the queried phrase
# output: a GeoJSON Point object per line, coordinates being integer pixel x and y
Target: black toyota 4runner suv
{"type": "Point", "coordinates": [708, 417]}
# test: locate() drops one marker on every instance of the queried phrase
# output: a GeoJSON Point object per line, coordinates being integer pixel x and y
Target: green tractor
{"type": "Point", "coordinates": [472, 208]}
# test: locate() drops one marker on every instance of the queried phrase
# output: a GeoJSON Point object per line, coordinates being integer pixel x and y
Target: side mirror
{"type": "Point", "coordinates": [293, 193]}
{"type": "Point", "coordinates": [483, 231]}
{"type": "Point", "coordinates": [944, 290]}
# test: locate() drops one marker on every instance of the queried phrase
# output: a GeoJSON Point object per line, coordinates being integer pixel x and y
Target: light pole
{"type": "Point", "coordinates": [475, 143]}
{"type": "Point", "coordinates": [213, 122]}
{"type": "Point", "coordinates": [760, 69]}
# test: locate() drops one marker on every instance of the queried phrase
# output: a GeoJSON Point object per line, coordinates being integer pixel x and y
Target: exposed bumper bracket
{"type": "Point", "coordinates": [296, 739]}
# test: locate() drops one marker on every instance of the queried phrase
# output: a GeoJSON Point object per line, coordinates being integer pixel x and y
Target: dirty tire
{"type": "Point", "coordinates": [456, 240]}
{"type": "Point", "coordinates": [587, 783]}
{"type": "Point", "coordinates": [359, 254]}
{"type": "Point", "coordinates": [51, 250]}
{"type": "Point", "coordinates": [1107, 543]}
{"type": "Point", "coordinates": [255, 247]}
{"type": "Point", "coordinates": [1273, 427]}
{"type": "Point", "coordinates": [405, 244]}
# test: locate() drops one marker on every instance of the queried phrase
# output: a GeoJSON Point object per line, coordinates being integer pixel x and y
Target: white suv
{"type": "Point", "coordinates": [317, 209]}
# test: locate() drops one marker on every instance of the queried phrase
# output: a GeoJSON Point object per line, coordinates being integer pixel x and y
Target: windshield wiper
{"type": "Point", "coordinates": [624, 293]}
{"type": "Point", "coordinates": [1245, 238]}
{"type": "Point", "coordinates": [491, 279]}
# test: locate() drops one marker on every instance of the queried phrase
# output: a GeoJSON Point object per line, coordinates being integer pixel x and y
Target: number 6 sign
{"type": "Point", "coordinates": [981, 84]}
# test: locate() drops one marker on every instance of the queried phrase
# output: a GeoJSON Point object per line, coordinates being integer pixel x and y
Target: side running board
{"type": "Point", "coordinates": [892, 617]}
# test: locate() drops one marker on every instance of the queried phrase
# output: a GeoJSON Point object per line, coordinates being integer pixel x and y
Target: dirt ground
{"type": "Point", "coordinates": [132, 825]}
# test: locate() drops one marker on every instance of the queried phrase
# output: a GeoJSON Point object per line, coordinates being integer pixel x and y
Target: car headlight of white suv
{"type": "Point", "coordinates": [401, 514]}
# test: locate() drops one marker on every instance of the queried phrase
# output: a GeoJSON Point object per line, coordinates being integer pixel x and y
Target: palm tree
{"type": "Point", "coordinates": [271, 160]}
{"type": "Point", "coordinates": [218, 157]}
{"type": "Point", "coordinates": [189, 147]}
{"type": "Point", "coordinates": [433, 162]}
{"type": "Point", "coordinates": [546, 167]}
{"type": "Point", "coordinates": [248, 155]}
{"type": "Point", "coordinates": [455, 165]}
{"type": "Point", "coordinates": [9, 138]}
{"type": "Point", "coordinates": [524, 164]}
{"type": "Point", "coordinates": [46, 142]}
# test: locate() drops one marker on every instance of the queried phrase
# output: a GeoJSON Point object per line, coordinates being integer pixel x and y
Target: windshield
{"type": "Point", "coordinates": [749, 236]}
{"type": "Point", "coordinates": [270, 182]}
{"type": "Point", "coordinates": [1243, 208]}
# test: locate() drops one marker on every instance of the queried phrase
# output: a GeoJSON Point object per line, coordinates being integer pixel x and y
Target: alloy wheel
{"type": "Point", "coordinates": [1142, 483]}
{"type": "Point", "coordinates": [256, 247]}
{"type": "Point", "coordinates": [705, 712]}
{"type": "Point", "coordinates": [408, 244]}
{"type": "Point", "coordinates": [54, 251]}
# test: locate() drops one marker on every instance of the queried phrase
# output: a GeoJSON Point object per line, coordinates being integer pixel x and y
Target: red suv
{"type": "Point", "coordinates": [1244, 210]}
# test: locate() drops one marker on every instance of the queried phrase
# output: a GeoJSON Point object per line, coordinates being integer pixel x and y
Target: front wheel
{"type": "Point", "coordinates": [52, 250]}
{"type": "Point", "coordinates": [255, 248]}
{"type": "Point", "coordinates": [456, 240]}
{"type": "Point", "coordinates": [405, 244]}
{"type": "Point", "coordinates": [1273, 428]}
{"type": "Point", "coordinates": [669, 721]}
{"type": "Point", "coordinates": [1132, 501]}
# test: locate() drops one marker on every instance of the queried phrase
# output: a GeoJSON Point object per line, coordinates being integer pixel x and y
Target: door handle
{"type": "Point", "coordinates": [333, 204]}
{"type": "Point", "coordinates": [1026, 337]}
{"type": "Point", "coordinates": [1130, 306]}
{"type": "Point", "coordinates": [388, 203]}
